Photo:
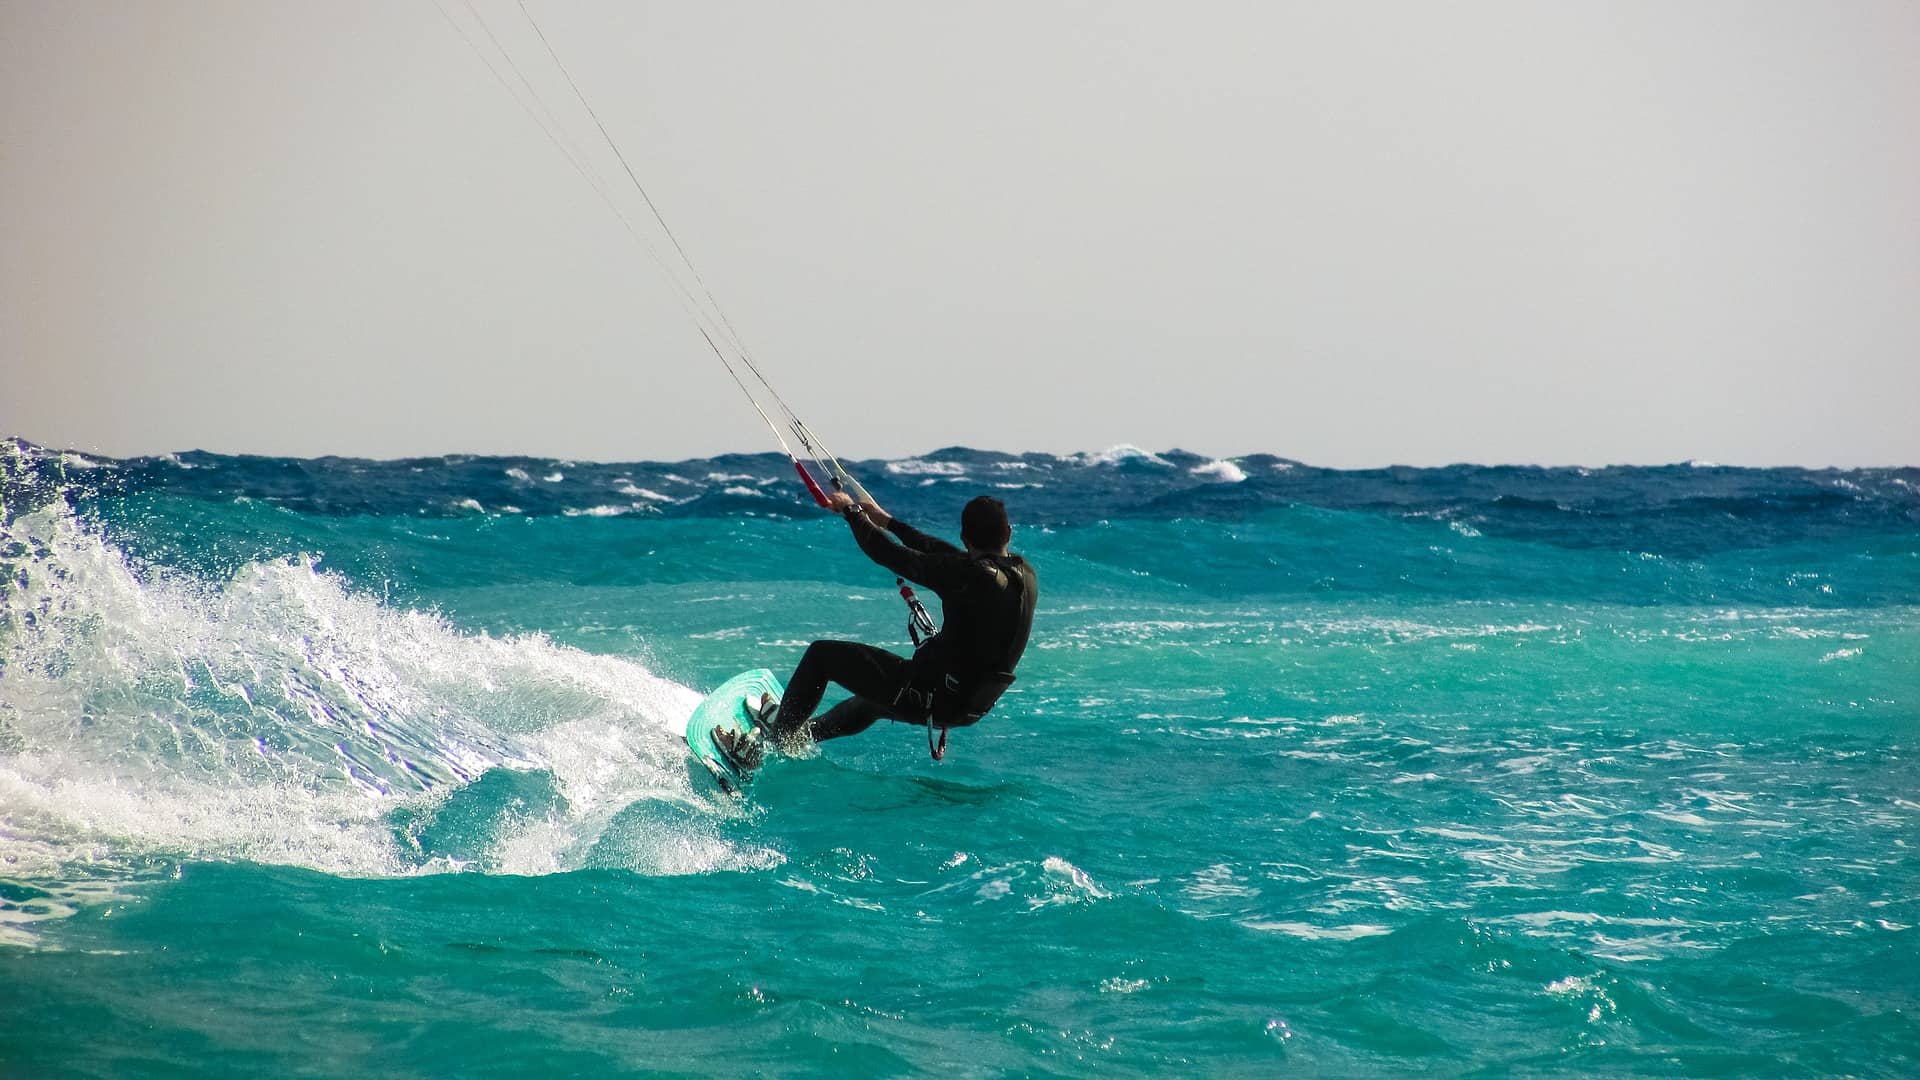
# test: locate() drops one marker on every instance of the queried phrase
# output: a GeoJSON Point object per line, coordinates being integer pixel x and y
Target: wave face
{"type": "Point", "coordinates": [347, 766]}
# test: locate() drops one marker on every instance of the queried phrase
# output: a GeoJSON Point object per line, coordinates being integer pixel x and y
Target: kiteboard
{"type": "Point", "coordinates": [724, 732]}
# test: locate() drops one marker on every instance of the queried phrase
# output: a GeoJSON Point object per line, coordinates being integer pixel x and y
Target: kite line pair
{"type": "Point", "coordinates": [689, 287]}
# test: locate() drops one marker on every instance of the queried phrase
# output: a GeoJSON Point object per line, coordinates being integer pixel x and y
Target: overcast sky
{"type": "Point", "coordinates": [1348, 233]}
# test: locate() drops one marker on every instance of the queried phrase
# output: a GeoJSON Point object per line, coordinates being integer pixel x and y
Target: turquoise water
{"type": "Point", "coordinates": [334, 768]}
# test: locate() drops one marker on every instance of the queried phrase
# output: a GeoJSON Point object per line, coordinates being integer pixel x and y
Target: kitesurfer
{"type": "Point", "coordinates": [953, 679]}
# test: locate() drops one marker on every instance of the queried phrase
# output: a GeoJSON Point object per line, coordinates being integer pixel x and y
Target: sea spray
{"type": "Point", "coordinates": [282, 716]}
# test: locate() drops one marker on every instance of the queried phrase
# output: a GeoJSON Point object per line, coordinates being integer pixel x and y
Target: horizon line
{"type": "Point", "coordinates": [1110, 455]}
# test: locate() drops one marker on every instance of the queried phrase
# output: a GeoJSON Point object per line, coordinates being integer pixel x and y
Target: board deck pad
{"type": "Point", "coordinates": [731, 706]}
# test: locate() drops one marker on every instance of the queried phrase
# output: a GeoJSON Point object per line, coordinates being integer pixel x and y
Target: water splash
{"type": "Point", "coordinates": [282, 717]}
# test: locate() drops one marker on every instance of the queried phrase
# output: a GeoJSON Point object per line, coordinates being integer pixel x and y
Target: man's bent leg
{"type": "Point", "coordinates": [870, 673]}
{"type": "Point", "coordinates": [850, 717]}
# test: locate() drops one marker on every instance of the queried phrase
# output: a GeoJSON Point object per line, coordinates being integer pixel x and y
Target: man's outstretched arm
{"type": "Point", "coordinates": [917, 540]}
{"type": "Point", "coordinates": [924, 566]}
{"type": "Point", "coordinates": [908, 535]}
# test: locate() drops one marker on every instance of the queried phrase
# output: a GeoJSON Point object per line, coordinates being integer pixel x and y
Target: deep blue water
{"type": "Point", "coordinates": [338, 766]}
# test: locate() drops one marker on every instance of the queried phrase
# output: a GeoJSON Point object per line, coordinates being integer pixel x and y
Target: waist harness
{"type": "Point", "coordinates": [947, 699]}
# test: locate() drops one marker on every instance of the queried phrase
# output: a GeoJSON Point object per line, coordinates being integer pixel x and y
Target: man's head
{"type": "Point", "coordinates": [983, 524]}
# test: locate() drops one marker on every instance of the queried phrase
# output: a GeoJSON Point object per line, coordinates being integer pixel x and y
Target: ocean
{"type": "Point", "coordinates": [341, 767]}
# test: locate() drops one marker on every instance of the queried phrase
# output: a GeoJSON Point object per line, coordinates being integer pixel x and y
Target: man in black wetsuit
{"type": "Point", "coordinates": [986, 597]}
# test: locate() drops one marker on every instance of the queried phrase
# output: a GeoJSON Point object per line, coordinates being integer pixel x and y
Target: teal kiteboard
{"type": "Point", "coordinates": [724, 731]}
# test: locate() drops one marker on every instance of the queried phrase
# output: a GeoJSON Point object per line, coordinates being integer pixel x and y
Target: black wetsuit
{"type": "Point", "coordinates": [987, 603]}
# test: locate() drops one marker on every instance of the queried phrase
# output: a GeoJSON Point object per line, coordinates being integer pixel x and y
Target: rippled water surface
{"type": "Point", "coordinates": [340, 767]}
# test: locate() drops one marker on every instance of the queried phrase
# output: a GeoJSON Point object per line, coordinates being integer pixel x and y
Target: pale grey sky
{"type": "Point", "coordinates": [1349, 233]}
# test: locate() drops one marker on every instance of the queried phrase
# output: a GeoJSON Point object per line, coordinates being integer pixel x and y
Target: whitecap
{"type": "Point", "coordinates": [1309, 932]}
{"type": "Point", "coordinates": [1114, 455]}
{"type": "Point", "coordinates": [1066, 884]}
{"type": "Point", "coordinates": [597, 511]}
{"type": "Point", "coordinates": [919, 467]}
{"type": "Point", "coordinates": [1222, 470]}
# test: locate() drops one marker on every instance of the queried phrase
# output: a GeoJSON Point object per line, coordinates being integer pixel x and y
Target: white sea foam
{"type": "Point", "coordinates": [282, 717]}
{"type": "Point", "coordinates": [1064, 883]}
{"type": "Point", "coordinates": [917, 467]}
{"type": "Point", "coordinates": [1221, 470]}
{"type": "Point", "coordinates": [1309, 932]}
{"type": "Point", "coordinates": [1114, 455]}
{"type": "Point", "coordinates": [738, 490]}
{"type": "Point", "coordinates": [518, 474]}
{"type": "Point", "coordinates": [601, 511]}
{"type": "Point", "coordinates": [554, 477]}
{"type": "Point", "coordinates": [643, 493]}
{"type": "Point", "coordinates": [1218, 882]}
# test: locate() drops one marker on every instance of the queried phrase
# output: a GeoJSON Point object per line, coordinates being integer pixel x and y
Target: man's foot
{"type": "Point", "coordinates": [766, 717]}
{"type": "Point", "coordinates": [743, 753]}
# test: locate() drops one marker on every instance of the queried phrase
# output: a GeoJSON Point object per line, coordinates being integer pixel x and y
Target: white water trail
{"type": "Point", "coordinates": [149, 717]}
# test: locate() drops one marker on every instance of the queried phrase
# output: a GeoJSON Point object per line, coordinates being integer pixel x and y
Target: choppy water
{"type": "Point", "coordinates": [335, 767]}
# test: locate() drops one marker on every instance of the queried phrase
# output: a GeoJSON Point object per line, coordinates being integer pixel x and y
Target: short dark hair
{"type": "Point", "coordinates": [983, 524]}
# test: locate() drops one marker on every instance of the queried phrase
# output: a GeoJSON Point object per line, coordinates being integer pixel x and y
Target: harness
{"type": "Point", "coordinates": [945, 702]}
